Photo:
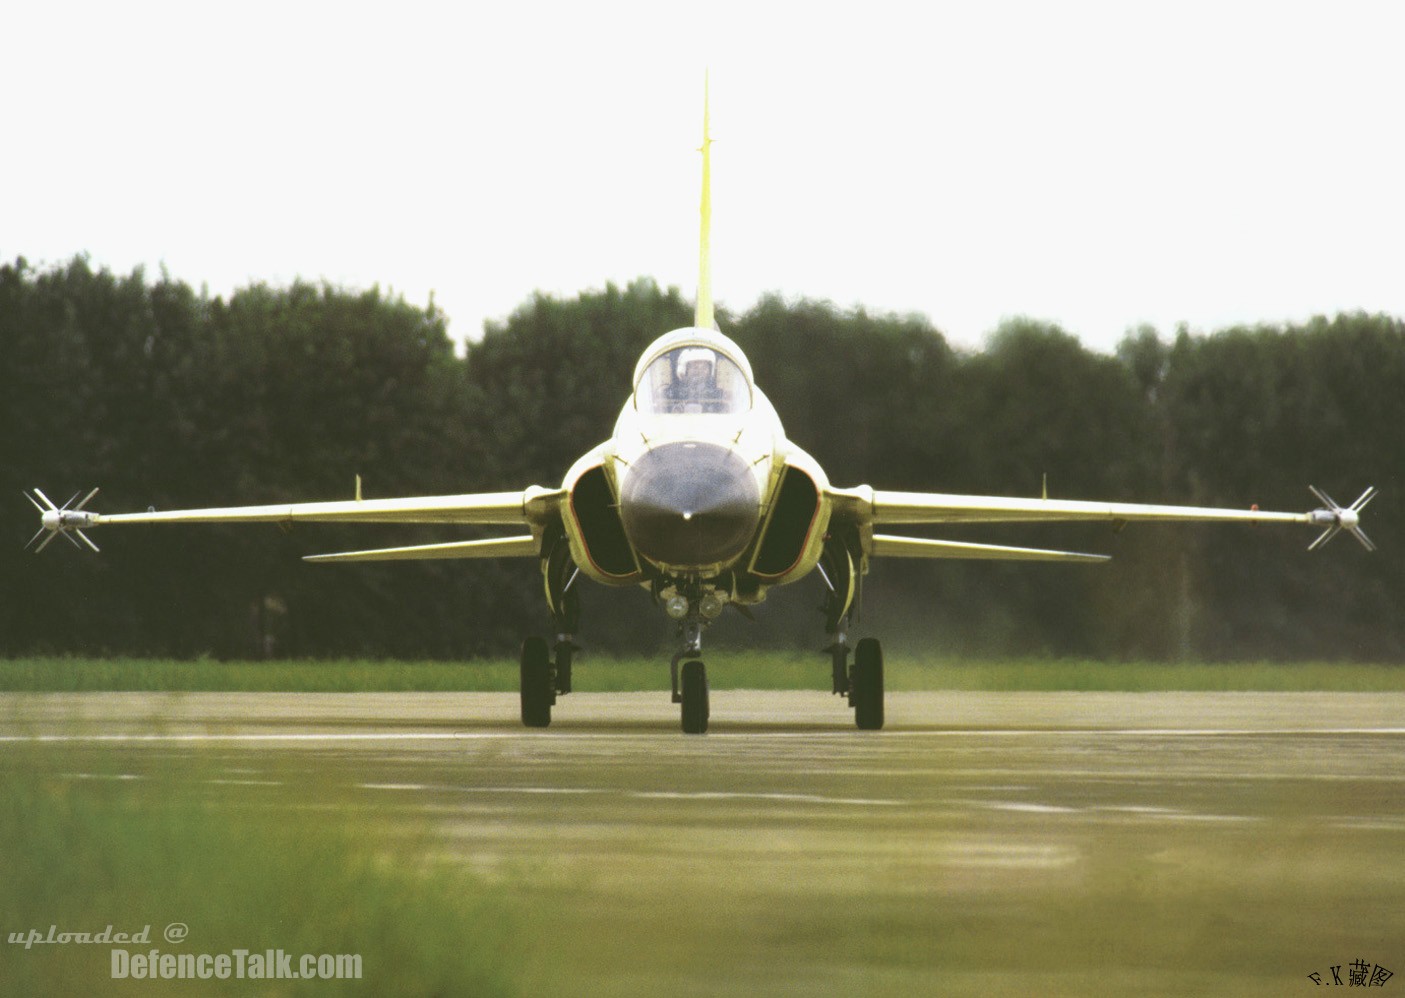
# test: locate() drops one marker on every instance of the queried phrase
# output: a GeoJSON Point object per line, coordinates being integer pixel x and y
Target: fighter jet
{"type": "Point", "coordinates": [699, 497]}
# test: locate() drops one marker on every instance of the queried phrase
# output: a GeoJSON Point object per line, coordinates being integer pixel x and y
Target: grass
{"type": "Point", "coordinates": [107, 849]}
{"type": "Point", "coordinates": [728, 670]}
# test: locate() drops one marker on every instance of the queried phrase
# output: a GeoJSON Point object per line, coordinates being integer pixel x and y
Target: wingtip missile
{"type": "Point", "coordinates": [1336, 518]}
{"type": "Point", "coordinates": [68, 520]}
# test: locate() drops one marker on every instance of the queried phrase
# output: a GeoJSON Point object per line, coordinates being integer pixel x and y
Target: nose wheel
{"type": "Point", "coordinates": [690, 686]}
{"type": "Point", "coordinates": [694, 698]}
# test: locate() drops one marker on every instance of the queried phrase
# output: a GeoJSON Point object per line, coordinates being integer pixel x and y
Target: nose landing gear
{"type": "Point", "coordinates": [692, 691]}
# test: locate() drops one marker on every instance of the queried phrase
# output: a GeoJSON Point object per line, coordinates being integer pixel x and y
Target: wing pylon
{"type": "Point", "coordinates": [885, 546]}
{"type": "Point", "coordinates": [525, 546]}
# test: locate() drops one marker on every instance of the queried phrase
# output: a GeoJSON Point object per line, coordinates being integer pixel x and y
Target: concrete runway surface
{"type": "Point", "coordinates": [1034, 843]}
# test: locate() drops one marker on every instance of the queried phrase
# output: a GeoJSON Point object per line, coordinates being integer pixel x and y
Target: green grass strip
{"type": "Point", "coordinates": [726, 670]}
{"type": "Point", "coordinates": [110, 850]}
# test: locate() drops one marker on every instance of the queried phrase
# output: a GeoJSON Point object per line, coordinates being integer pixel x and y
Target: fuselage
{"type": "Point", "coordinates": [688, 488]}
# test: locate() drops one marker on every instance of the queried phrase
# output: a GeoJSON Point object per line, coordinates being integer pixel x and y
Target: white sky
{"type": "Point", "coordinates": [1095, 164]}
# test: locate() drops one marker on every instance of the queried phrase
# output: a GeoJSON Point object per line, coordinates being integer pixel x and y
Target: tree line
{"type": "Point", "coordinates": [169, 398]}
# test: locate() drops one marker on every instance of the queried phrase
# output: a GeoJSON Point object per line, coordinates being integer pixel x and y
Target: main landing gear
{"type": "Point", "coordinates": [545, 675]}
{"type": "Point", "coordinates": [861, 682]}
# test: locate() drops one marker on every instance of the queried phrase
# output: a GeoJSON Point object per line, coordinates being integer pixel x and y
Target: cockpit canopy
{"type": "Point", "coordinates": [695, 374]}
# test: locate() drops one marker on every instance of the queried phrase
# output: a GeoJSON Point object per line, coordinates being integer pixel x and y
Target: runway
{"type": "Point", "coordinates": [1067, 843]}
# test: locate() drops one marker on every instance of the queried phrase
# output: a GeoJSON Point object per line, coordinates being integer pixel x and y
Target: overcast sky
{"type": "Point", "coordinates": [1100, 165]}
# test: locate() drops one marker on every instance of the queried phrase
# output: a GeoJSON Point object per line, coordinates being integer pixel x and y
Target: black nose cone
{"type": "Point", "coordinates": [690, 505]}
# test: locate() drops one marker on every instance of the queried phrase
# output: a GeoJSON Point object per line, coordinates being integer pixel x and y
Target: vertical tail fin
{"type": "Point", "coordinates": [703, 316]}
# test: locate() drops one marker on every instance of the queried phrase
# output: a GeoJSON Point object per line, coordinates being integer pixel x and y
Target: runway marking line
{"type": "Point", "coordinates": [737, 795]}
{"type": "Point", "coordinates": [371, 736]}
{"type": "Point", "coordinates": [643, 794]}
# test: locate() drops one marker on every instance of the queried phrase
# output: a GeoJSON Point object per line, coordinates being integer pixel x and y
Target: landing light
{"type": "Point", "coordinates": [711, 605]}
{"type": "Point", "coordinates": [676, 607]}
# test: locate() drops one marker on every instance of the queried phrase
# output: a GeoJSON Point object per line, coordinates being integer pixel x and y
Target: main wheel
{"type": "Point", "coordinates": [695, 706]}
{"type": "Point", "coordinates": [866, 685]}
{"type": "Point", "coordinates": [537, 692]}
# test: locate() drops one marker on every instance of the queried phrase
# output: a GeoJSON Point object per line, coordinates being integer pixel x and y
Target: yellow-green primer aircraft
{"type": "Point", "coordinates": [699, 496]}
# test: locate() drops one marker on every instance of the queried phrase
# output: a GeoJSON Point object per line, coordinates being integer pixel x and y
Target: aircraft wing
{"type": "Point", "coordinates": [530, 507]}
{"type": "Point", "coordinates": [867, 507]}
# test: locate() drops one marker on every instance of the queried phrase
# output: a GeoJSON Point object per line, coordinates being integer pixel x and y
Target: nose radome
{"type": "Point", "coordinates": [690, 504]}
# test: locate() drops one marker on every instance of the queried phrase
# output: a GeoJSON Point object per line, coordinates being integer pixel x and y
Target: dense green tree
{"type": "Point", "coordinates": [169, 398]}
{"type": "Point", "coordinates": [1255, 415]}
{"type": "Point", "coordinates": [826, 372]}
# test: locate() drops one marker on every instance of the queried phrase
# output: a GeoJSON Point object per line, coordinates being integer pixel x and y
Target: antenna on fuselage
{"type": "Point", "coordinates": [703, 316]}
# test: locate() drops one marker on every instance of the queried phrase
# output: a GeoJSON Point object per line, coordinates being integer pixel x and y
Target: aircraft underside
{"type": "Point", "coordinates": [778, 551]}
